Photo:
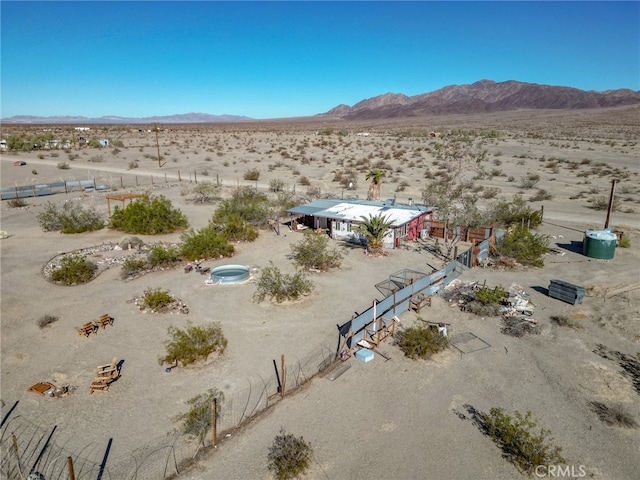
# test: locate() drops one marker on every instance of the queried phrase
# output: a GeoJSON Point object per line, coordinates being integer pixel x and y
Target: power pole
{"type": "Point", "coordinates": [157, 145]}
{"type": "Point", "coordinates": [610, 209]}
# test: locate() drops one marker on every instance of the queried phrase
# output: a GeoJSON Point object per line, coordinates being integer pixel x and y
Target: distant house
{"type": "Point", "coordinates": [338, 217]}
{"type": "Point", "coordinates": [104, 142]}
{"type": "Point", "coordinates": [3, 144]}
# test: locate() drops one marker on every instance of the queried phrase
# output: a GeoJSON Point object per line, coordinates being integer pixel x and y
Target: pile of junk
{"type": "Point", "coordinates": [515, 307]}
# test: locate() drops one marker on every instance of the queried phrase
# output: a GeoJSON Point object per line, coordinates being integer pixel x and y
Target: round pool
{"type": "Point", "coordinates": [229, 275]}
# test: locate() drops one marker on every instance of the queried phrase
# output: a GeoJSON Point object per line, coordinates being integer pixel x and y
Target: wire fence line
{"type": "Point", "coordinates": [107, 182]}
{"type": "Point", "coordinates": [44, 453]}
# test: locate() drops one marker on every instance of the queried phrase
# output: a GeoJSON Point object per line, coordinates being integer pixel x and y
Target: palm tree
{"type": "Point", "coordinates": [376, 175]}
{"type": "Point", "coordinates": [374, 229]}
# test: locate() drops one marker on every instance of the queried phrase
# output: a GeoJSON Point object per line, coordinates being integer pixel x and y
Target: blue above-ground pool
{"type": "Point", "coordinates": [229, 275]}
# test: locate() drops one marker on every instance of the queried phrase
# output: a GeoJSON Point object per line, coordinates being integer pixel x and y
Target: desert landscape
{"type": "Point", "coordinates": [395, 418]}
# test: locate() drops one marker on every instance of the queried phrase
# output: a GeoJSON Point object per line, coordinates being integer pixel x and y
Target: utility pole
{"type": "Point", "coordinates": [610, 209]}
{"type": "Point", "coordinates": [157, 145]}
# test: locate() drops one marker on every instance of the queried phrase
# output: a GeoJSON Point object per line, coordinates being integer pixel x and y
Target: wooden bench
{"type": "Point", "coordinates": [107, 374]}
{"type": "Point", "coordinates": [104, 320]}
{"type": "Point", "coordinates": [87, 329]}
{"type": "Point", "coordinates": [99, 386]}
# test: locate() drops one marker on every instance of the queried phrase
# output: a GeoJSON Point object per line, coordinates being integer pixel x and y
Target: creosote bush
{"type": "Point", "coordinates": [421, 341]}
{"type": "Point", "coordinates": [69, 218]}
{"type": "Point", "coordinates": [148, 216]}
{"type": "Point", "coordinates": [281, 286]}
{"type": "Point", "coordinates": [313, 252]}
{"type": "Point", "coordinates": [74, 269]}
{"type": "Point", "coordinates": [161, 256]}
{"type": "Point", "coordinates": [193, 343]}
{"type": "Point", "coordinates": [205, 243]}
{"type": "Point", "coordinates": [252, 175]}
{"type": "Point", "coordinates": [289, 456]}
{"type": "Point", "coordinates": [156, 298]}
{"type": "Point", "coordinates": [518, 440]}
{"type": "Point", "coordinates": [197, 421]}
{"type": "Point", "coordinates": [131, 266]}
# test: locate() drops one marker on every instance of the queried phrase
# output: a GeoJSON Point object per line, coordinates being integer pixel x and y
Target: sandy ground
{"type": "Point", "coordinates": [393, 419]}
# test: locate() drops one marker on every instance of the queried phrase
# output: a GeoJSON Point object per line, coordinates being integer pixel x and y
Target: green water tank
{"type": "Point", "coordinates": [599, 244]}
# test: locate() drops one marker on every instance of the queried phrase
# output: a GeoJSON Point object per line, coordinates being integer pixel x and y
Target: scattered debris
{"type": "Point", "coordinates": [518, 327]}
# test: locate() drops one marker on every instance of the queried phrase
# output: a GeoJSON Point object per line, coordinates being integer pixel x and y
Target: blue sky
{"type": "Point", "coordinates": [281, 59]}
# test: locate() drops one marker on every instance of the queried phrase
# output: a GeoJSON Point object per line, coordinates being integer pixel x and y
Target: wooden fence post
{"type": "Point", "coordinates": [121, 183]}
{"type": "Point", "coordinates": [214, 426]}
{"type": "Point", "coordinates": [179, 179]}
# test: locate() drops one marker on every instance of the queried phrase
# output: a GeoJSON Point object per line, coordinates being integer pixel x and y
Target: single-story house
{"type": "Point", "coordinates": [104, 142]}
{"type": "Point", "coordinates": [338, 216]}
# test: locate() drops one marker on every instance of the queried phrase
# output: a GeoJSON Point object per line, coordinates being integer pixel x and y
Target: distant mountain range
{"type": "Point", "coordinates": [179, 118]}
{"type": "Point", "coordinates": [482, 96]}
{"type": "Point", "coordinates": [478, 97]}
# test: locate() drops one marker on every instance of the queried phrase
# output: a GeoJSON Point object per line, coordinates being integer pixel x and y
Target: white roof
{"type": "Point", "coordinates": [353, 212]}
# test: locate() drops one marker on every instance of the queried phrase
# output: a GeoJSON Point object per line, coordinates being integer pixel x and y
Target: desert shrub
{"type": "Point", "coordinates": [160, 256]}
{"type": "Point", "coordinates": [252, 174]}
{"type": "Point", "coordinates": [194, 342]}
{"type": "Point", "coordinates": [521, 444]}
{"type": "Point", "coordinates": [490, 192]}
{"type": "Point", "coordinates": [46, 320]}
{"type": "Point", "coordinates": [624, 242]}
{"type": "Point", "coordinates": [276, 185]}
{"type": "Point", "coordinates": [313, 252]}
{"type": "Point", "coordinates": [63, 166]}
{"type": "Point", "coordinates": [133, 164]}
{"type": "Point", "coordinates": [526, 247]}
{"type": "Point", "coordinates": [205, 191]}
{"type": "Point", "coordinates": [236, 229]}
{"type": "Point", "coordinates": [506, 213]}
{"type": "Point", "coordinates": [197, 421]}
{"type": "Point", "coordinates": [541, 195]}
{"type": "Point", "coordinates": [17, 203]}
{"type": "Point", "coordinates": [421, 341]}
{"type": "Point", "coordinates": [564, 321]}
{"type": "Point", "coordinates": [613, 416]}
{"type": "Point", "coordinates": [304, 181]}
{"type": "Point", "coordinates": [205, 243]}
{"type": "Point", "coordinates": [251, 206]}
{"type": "Point", "coordinates": [149, 216]}
{"type": "Point", "coordinates": [491, 296]}
{"type": "Point", "coordinates": [602, 203]}
{"type": "Point", "coordinates": [289, 456]}
{"type": "Point", "coordinates": [74, 269]}
{"type": "Point", "coordinates": [131, 266]}
{"type": "Point", "coordinates": [529, 181]}
{"type": "Point", "coordinates": [70, 218]}
{"type": "Point", "coordinates": [281, 286]}
{"type": "Point", "coordinates": [156, 298]}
